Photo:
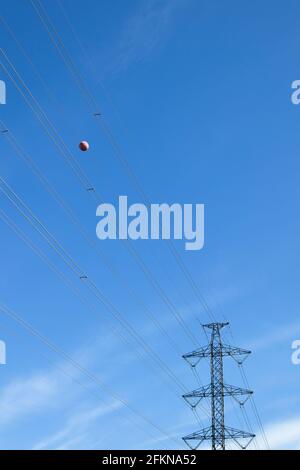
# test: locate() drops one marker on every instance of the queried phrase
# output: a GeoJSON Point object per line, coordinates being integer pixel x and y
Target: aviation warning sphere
{"type": "Point", "coordinates": [84, 145]}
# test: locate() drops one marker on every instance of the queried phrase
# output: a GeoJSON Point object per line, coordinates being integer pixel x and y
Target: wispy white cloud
{"type": "Point", "coordinates": [276, 336]}
{"type": "Point", "coordinates": [144, 31]}
{"type": "Point", "coordinates": [74, 430]}
{"type": "Point", "coordinates": [72, 443]}
{"type": "Point", "coordinates": [49, 388]}
{"type": "Point", "coordinates": [27, 395]}
{"type": "Point", "coordinates": [282, 435]}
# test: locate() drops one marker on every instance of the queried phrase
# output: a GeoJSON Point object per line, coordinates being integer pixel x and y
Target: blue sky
{"type": "Point", "coordinates": [197, 94]}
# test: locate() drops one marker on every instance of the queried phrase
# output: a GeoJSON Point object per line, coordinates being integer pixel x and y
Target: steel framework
{"type": "Point", "coordinates": [217, 433]}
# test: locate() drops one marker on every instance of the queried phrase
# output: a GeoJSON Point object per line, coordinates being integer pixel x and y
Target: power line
{"type": "Point", "coordinates": [70, 285]}
{"type": "Point", "coordinates": [104, 258]}
{"type": "Point", "coordinates": [82, 384]}
{"type": "Point", "coordinates": [29, 60]}
{"type": "Point", "coordinates": [87, 57]}
{"type": "Point", "coordinates": [65, 152]}
{"type": "Point", "coordinates": [26, 212]}
{"type": "Point", "coordinates": [254, 407]}
{"type": "Point", "coordinates": [117, 150]}
{"type": "Point", "coordinates": [91, 307]}
{"type": "Point", "coordinates": [62, 276]}
{"type": "Point", "coordinates": [14, 227]}
{"type": "Point", "coordinates": [90, 375]}
{"type": "Point", "coordinates": [124, 162]}
{"type": "Point", "coordinates": [70, 65]}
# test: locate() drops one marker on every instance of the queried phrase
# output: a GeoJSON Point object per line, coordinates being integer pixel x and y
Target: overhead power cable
{"type": "Point", "coordinates": [65, 152]}
{"type": "Point", "coordinates": [117, 150]}
{"type": "Point", "coordinates": [72, 216]}
{"type": "Point", "coordinates": [83, 370]}
{"type": "Point", "coordinates": [81, 274]}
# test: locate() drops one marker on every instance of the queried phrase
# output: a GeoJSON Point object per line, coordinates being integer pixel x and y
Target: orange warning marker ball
{"type": "Point", "coordinates": [84, 145]}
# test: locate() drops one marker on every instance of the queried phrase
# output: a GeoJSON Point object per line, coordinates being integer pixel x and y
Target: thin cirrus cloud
{"type": "Point", "coordinates": [282, 435]}
{"type": "Point", "coordinates": [27, 395]}
{"type": "Point", "coordinates": [280, 334]}
{"type": "Point", "coordinates": [143, 32]}
{"type": "Point", "coordinates": [43, 390]}
{"type": "Point", "coordinates": [75, 429]}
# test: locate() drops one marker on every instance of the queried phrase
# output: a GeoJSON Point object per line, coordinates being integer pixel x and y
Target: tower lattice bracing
{"type": "Point", "coordinates": [217, 402]}
{"type": "Point", "coordinates": [216, 391]}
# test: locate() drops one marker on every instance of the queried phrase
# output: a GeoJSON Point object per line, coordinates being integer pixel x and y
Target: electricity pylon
{"type": "Point", "coordinates": [217, 433]}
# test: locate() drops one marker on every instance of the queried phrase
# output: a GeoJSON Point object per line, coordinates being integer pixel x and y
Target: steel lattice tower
{"type": "Point", "coordinates": [217, 433]}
